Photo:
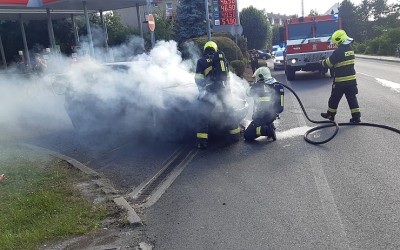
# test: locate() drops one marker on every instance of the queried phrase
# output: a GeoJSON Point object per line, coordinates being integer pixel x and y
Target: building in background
{"type": "Point", "coordinates": [129, 15]}
{"type": "Point", "coordinates": [278, 19]}
{"type": "Point", "coordinates": [333, 10]}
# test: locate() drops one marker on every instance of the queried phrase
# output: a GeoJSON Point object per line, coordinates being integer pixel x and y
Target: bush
{"type": "Point", "coordinates": [359, 48]}
{"type": "Point", "coordinates": [372, 46]}
{"type": "Point", "coordinates": [385, 48]}
{"type": "Point", "coordinates": [384, 44]}
{"type": "Point", "coordinates": [242, 42]}
{"type": "Point", "coordinates": [238, 67]}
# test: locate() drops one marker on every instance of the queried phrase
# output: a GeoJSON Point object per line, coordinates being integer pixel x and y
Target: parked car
{"type": "Point", "coordinates": [109, 98]}
{"type": "Point", "coordinates": [279, 60]}
{"type": "Point", "coordinates": [264, 54]}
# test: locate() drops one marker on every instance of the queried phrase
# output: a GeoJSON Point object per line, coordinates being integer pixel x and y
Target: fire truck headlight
{"type": "Point", "coordinates": [294, 60]}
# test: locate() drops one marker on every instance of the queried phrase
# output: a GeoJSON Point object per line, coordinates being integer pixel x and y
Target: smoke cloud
{"type": "Point", "coordinates": [142, 93]}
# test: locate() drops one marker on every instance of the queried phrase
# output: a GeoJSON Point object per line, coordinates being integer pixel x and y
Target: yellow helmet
{"type": "Point", "coordinates": [340, 37]}
{"type": "Point", "coordinates": [212, 45]}
{"type": "Point", "coordinates": [262, 72]}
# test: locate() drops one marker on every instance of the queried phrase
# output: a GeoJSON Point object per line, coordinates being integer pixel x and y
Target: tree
{"type": "Point", "coordinates": [350, 21]}
{"type": "Point", "coordinates": [379, 9]}
{"type": "Point", "coordinates": [256, 27]}
{"type": "Point", "coordinates": [190, 20]}
{"type": "Point", "coordinates": [313, 13]}
{"type": "Point", "coordinates": [118, 33]}
{"type": "Point", "coordinates": [363, 12]}
{"type": "Point", "coordinates": [165, 26]}
{"type": "Point", "coordinates": [276, 39]}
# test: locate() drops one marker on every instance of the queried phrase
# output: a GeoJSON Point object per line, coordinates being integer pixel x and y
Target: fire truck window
{"type": "Point", "coordinates": [300, 31]}
{"type": "Point", "coordinates": [326, 28]}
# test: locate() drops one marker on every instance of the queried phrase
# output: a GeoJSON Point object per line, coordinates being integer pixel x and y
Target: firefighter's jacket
{"type": "Point", "coordinates": [342, 61]}
{"type": "Point", "coordinates": [203, 76]}
{"type": "Point", "coordinates": [268, 98]}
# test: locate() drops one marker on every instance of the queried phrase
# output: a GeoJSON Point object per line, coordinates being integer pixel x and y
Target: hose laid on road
{"type": "Point", "coordinates": [329, 123]}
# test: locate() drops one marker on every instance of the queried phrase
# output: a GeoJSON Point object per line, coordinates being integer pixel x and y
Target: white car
{"type": "Point", "coordinates": [279, 61]}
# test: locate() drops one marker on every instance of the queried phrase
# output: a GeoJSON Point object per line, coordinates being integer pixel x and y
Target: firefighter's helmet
{"type": "Point", "coordinates": [340, 37]}
{"type": "Point", "coordinates": [262, 73]}
{"type": "Point", "coordinates": [210, 45]}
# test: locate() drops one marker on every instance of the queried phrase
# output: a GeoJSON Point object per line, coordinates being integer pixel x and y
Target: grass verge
{"type": "Point", "coordinates": [39, 201]}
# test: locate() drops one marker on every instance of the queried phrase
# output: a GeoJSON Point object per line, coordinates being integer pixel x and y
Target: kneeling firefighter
{"type": "Point", "coordinates": [268, 97]}
{"type": "Point", "coordinates": [212, 79]}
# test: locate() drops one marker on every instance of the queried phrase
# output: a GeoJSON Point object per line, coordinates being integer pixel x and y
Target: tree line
{"type": "Point", "coordinates": [374, 24]}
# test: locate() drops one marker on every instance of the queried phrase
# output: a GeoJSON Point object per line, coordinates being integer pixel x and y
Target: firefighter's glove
{"type": "Point", "coordinates": [322, 63]}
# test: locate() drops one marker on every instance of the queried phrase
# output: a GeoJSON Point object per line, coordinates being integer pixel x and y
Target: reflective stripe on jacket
{"type": "Point", "coordinates": [342, 61]}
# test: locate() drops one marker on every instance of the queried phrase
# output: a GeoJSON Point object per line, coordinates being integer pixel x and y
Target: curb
{"type": "Point", "coordinates": [379, 58]}
{"type": "Point", "coordinates": [101, 182]}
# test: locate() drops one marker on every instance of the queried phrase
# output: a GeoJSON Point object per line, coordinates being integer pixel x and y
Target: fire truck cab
{"type": "Point", "coordinates": [307, 42]}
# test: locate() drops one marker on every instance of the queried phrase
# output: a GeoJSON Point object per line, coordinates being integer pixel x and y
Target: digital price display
{"type": "Point", "coordinates": [225, 12]}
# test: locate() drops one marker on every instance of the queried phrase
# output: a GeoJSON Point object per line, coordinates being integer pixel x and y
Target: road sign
{"type": "Point", "coordinates": [152, 22]}
{"type": "Point", "coordinates": [236, 30]}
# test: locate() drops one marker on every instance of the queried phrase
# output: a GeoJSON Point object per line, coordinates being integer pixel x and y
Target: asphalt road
{"type": "Point", "coordinates": [285, 194]}
{"type": "Point", "coordinates": [290, 194]}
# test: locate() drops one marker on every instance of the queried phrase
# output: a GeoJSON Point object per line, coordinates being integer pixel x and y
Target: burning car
{"type": "Point", "coordinates": [117, 98]}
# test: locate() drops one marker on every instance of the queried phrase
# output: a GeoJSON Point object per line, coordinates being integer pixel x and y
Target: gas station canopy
{"type": "Point", "coordinates": [91, 4]}
{"type": "Point", "coordinates": [36, 9]}
{"type": "Point", "coordinates": [26, 10]}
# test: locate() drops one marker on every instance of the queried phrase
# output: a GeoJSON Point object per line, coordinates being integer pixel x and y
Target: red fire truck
{"type": "Point", "coordinates": [307, 42]}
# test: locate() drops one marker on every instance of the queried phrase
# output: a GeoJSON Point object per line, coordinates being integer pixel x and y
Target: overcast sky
{"type": "Point", "coordinates": [290, 7]}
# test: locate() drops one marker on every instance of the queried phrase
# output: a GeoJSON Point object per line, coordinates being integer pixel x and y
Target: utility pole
{"type": "Point", "coordinates": [150, 11]}
{"type": "Point", "coordinates": [302, 7]}
{"type": "Point", "coordinates": [208, 21]}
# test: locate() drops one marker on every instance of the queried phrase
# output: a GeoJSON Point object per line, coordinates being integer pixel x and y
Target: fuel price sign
{"type": "Point", "coordinates": [225, 12]}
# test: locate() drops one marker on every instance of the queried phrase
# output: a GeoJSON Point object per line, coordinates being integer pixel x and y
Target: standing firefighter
{"type": "Point", "coordinates": [212, 79]}
{"type": "Point", "coordinates": [344, 82]}
{"type": "Point", "coordinates": [268, 103]}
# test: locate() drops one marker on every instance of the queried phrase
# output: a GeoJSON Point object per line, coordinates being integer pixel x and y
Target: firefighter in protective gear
{"type": "Point", "coordinates": [268, 95]}
{"type": "Point", "coordinates": [213, 89]}
{"type": "Point", "coordinates": [344, 82]}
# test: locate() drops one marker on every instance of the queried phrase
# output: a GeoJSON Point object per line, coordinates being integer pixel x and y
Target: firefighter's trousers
{"type": "Point", "coordinates": [259, 127]}
{"type": "Point", "coordinates": [206, 107]}
{"type": "Point", "coordinates": [350, 91]}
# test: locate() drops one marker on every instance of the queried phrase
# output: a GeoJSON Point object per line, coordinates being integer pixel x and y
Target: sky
{"type": "Point", "coordinates": [290, 7]}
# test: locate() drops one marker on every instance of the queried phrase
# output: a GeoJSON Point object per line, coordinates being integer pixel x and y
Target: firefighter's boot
{"type": "Point", "coordinates": [270, 131]}
{"type": "Point", "coordinates": [233, 135]}
{"type": "Point", "coordinates": [355, 120]}
{"type": "Point", "coordinates": [328, 115]}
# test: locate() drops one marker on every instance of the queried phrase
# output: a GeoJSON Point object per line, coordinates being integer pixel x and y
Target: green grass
{"type": "Point", "coordinates": [38, 203]}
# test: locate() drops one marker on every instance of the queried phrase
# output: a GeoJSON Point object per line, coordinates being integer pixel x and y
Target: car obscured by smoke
{"type": "Point", "coordinates": [119, 98]}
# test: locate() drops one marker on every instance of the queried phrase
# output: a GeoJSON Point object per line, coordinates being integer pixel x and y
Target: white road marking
{"type": "Point", "coordinates": [333, 220]}
{"type": "Point", "coordinates": [385, 83]}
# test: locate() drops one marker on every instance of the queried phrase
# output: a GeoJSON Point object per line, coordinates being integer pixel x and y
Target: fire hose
{"type": "Point", "coordinates": [328, 123]}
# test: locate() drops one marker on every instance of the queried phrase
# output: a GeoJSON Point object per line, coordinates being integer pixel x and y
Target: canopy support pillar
{"type": "Point", "coordinates": [26, 56]}
{"type": "Point", "coordinates": [89, 30]}
{"type": "Point", "coordinates": [3, 56]}
{"type": "Point", "coordinates": [51, 31]}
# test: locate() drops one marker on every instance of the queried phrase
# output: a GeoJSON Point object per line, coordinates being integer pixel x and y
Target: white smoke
{"type": "Point", "coordinates": [94, 95]}
{"type": "Point", "coordinates": [28, 107]}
